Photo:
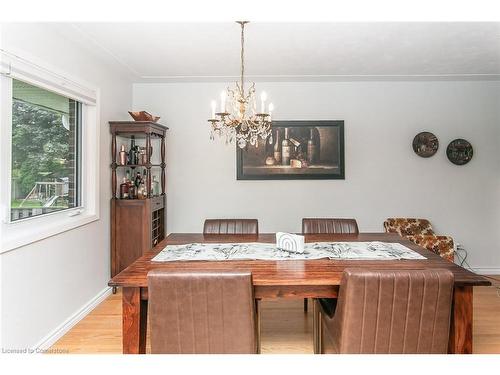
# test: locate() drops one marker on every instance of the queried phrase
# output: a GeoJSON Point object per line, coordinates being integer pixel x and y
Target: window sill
{"type": "Point", "coordinates": [18, 234]}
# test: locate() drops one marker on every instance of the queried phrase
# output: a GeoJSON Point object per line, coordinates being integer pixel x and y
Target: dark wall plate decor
{"type": "Point", "coordinates": [459, 151]}
{"type": "Point", "coordinates": [425, 144]}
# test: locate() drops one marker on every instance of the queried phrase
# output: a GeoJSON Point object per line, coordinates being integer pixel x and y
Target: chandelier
{"type": "Point", "coordinates": [238, 117]}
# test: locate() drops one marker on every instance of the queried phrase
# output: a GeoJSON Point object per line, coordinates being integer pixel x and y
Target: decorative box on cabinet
{"type": "Point", "coordinates": [137, 224]}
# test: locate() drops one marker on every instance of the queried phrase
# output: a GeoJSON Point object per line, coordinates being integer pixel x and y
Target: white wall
{"type": "Point", "coordinates": [384, 177]}
{"type": "Point", "coordinates": [45, 283]}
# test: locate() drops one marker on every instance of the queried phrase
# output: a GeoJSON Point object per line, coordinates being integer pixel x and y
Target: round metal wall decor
{"type": "Point", "coordinates": [425, 144]}
{"type": "Point", "coordinates": [459, 151]}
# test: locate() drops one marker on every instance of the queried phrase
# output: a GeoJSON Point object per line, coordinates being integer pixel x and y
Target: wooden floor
{"type": "Point", "coordinates": [285, 327]}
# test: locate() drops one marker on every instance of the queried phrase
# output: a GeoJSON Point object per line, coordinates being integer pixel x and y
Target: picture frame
{"type": "Point", "coordinates": [314, 151]}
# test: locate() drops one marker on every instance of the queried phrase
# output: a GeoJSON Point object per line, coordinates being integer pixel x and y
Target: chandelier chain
{"type": "Point", "coordinates": [242, 55]}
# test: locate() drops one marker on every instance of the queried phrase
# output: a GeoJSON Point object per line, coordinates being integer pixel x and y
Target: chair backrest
{"type": "Point", "coordinates": [231, 226]}
{"type": "Point", "coordinates": [201, 312]}
{"type": "Point", "coordinates": [393, 311]}
{"type": "Point", "coordinates": [333, 226]}
{"type": "Point", "coordinates": [408, 226]}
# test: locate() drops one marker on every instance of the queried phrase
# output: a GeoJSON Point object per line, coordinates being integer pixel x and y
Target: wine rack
{"type": "Point", "coordinates": [158, 225]}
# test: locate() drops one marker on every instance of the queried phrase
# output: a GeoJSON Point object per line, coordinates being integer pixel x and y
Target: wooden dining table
{"type": "Point", "coordinates": [289, 279]}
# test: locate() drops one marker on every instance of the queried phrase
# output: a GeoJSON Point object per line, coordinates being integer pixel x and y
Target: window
{"type": "Point", "coordinates": [49, 151]}
{"type": "Point", "coordinates": [45, 151]}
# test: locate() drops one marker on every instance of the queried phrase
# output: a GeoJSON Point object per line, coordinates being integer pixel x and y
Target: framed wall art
{"type": "Point", "coordinates": [295, 150]}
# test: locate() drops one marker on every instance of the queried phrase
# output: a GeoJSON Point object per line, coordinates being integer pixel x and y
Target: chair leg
{"type": "Point", "coordinates": [317, 339]}
{"type": "Point", "coordinates": [305, 304]}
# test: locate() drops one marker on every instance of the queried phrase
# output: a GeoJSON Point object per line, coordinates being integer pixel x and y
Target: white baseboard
{"type": "Point", "coordinates": [69, 323]}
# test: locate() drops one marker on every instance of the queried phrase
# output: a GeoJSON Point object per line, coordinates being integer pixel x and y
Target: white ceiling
{"type": "Point", "coordinates": [162, 52]}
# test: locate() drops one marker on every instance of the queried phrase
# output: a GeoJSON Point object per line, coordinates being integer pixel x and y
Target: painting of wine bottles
{"type": "Point", "coordinates": [295, 150]}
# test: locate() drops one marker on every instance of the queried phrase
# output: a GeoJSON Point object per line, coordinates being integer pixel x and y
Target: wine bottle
{"type": "Point", "coordinates": [132, 191]}
{"type": "Point", "coordinates": [156, 186]}
{"type": "Point", "coordinates": [124, 189]}
{"type": "Point", "coordinates": [311, 148]}
{"type": "Point", "coordinates": [286, 149]}
{"type": "Point", "coordinates": [140, 191]}
{"type": "Point", "coordinates": [277, 147]}
{"type": "Point", "coordinates": [131, 186]}
{"type": "Point", "coordinates": [144, 181]}
{"type": "Point", "coordinates": [137, 180]}
{"type": "Point", "coordinates": [141, 188]}
{"type": "Point", "coordinates": [132, 154]}
{"type": "Point", "coordinates": [144, 189]}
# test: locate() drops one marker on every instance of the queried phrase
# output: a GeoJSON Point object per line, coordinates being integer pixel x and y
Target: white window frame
{"type": "Point", "coordinates": [15, 234]}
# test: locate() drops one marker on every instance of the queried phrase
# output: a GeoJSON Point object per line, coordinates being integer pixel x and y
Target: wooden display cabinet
{"type": "Point", "coordinates": [137, 224]}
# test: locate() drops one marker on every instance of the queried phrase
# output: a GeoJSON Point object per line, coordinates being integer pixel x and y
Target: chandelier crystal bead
{"type": "Point", "coordinates": [238, 118]}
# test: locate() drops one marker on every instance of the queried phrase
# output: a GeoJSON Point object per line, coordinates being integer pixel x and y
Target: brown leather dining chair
{"type": "Point", "coordinates": [231, 226]}
{"type": "Point", "coordinates": [328, 226]}
{"type": "Point", "coordinates": [404, 311]}
{"type": "Point", "coordinates": [202, 313]}
{"type": "Point", "coordinates": [333, 226]}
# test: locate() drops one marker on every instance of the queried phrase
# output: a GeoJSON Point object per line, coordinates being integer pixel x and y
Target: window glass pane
{"type": "Point", "coordinates": [45, 151]}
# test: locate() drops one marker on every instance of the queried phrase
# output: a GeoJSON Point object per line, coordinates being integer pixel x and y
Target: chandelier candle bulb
{"type": "Point", "coordinates": [213, 109]}
{"type": "Point", "coordinates": [271, 109]}
{"type": "Point", "coordinates": [223, 102]}
{"type": "Point", "coordinates": [263, 98]}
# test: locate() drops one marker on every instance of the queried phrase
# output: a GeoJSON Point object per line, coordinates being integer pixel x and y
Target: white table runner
{"type": "Point", "coordinates": [269, 251]}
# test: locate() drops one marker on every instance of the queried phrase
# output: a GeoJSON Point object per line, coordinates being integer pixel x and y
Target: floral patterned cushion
{"type": "Point", "coordinates": [408, 227]}
{"type": "Point", "coordinates": [441, 245]}
{"type": "Point", "coordinates": [419, 231]}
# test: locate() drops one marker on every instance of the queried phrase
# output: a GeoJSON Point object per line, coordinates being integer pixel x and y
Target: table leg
{"type": "Point", "coordinates": [257, 325]}
{"type": "Point", "coordinates": [461, 321]}
{"type": "Point", "coordinates": [317, 343]}
{"type": "Point", "coordinates": [134, 321]}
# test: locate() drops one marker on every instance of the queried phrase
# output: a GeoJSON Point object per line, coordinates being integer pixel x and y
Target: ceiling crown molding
{"type": "Point", "coordinates": [325, 78]}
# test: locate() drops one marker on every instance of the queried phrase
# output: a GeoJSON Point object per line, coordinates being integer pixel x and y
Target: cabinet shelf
{"type": "Point", "coordinates": [137, 166]}
{"type": "Point", "coordinates": [138, 200]}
